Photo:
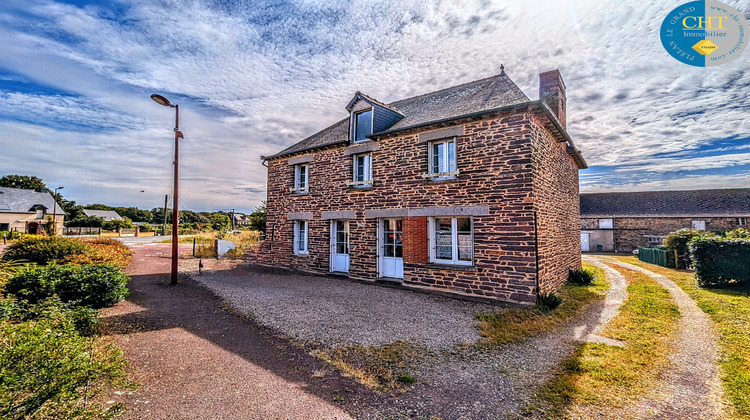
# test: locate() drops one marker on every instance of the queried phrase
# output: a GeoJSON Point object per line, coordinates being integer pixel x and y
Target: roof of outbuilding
{"type": "Point", "coordinates": [691, 203]}
{"type": "Point", "coordinates": [17, 200]}
{"type": "Point", "coordinates": [107, 215]}
{"type": "Point", "coordinates": [469, 98]}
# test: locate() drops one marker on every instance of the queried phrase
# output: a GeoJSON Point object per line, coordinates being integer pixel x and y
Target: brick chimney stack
{"type": "Point", "coordinates": [552, 92]}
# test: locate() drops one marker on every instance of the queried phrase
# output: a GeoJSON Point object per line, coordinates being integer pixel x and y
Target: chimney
{"type": "Point", "coordinates": [552, 92]}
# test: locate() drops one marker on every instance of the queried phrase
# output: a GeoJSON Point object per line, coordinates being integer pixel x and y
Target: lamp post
{"type": "Point", "coordinates": [54, 212]}
{"type": "Point", "coordinates": [175, 213]}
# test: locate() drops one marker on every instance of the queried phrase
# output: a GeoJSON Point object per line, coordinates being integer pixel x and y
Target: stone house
{"type": "Point", "coordinates": [470, 190]}
{"type": "Point", "coordinates": [27, 210]}
{"type": "Point", "coordinates": [621, 222]}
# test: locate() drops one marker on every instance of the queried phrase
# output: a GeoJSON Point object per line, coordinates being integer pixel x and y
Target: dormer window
{"type": "Point", "coordinates": [362, 125]}
{"type": "Point", "coordinates": [40, 213]}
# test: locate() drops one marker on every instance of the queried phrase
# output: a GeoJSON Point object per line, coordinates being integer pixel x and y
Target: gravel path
{"type": "Point", "coordinates": [691, 388]}
{"type": "Point", "coordinates": [197, 361]}
{"type": "Point", "coordinates": [452, 382]}
{"type": "Point", "coordinates": [337, 312]}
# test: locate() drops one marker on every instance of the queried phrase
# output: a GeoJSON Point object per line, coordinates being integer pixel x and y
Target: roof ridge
{"type": "Point", "coordinates": [667, 191]}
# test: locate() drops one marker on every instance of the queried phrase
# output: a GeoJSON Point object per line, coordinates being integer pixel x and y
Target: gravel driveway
{"type": "Point", "coordinates": [334, 311]}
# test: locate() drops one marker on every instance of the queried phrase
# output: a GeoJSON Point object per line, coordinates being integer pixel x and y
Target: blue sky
{"type": "Point", "coordinates": [254, 77]}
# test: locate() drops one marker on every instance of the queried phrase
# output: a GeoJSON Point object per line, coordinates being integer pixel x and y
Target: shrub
{"type": "Point", "coordinates": [580, 277]}
{"type": "Point", "coordinates": [721, 262]}
{"type": "Point", "coordinates": [95, 286]}
{"type": "Point", "coordinates": [114, 225]}
{"type": "Point", "coordinates": [42, 250]}
{"type": "Point", "coordinates": [50, 370]}
{"type": "Point", "coordinates": [738, 233]}
{"type": "Point", "coordinates": [549, 301]}
{"type": "Point", "coordinates": [679, 241]}
{"type": "Point", "coordinates": [103, 251]}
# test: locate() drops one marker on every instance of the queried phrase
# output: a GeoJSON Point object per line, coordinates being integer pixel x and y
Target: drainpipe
{"type": "Point", "coordinates": [536, 253]}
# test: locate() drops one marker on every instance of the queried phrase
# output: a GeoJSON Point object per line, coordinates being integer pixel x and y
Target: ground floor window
{"type": "Point", "coordinates": [300, 237]}
{"type": "Point", "coordinates": [451, 240]}
{"type": "Point", "coordinates": [4, 227]}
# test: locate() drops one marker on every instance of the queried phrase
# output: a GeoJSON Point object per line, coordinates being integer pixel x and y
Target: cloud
{"type": "Point", "coordinates": [255, 77]}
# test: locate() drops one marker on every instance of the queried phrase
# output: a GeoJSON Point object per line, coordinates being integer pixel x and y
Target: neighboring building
{"type": "Point", "coordinates": [106, 215]}
{"type": "Point", "coordinates": [27, 210]}
{"type": "Point", "coordinates": [241, 220]}
{"type": "Point", "coordinates": [621, 222]}
{"type": "Point", "coordinates": [471, 190]}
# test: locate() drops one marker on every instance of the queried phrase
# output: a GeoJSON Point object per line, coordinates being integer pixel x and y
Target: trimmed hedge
{"type": "Point", "coordinates": [94, 286]}
{"type": "Point", "coordinates": [43, 249]}
{"type": "Point", "coordinates": [721, 262]}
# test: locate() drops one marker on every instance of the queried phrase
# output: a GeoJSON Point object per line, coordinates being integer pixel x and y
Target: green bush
{"type": "Point", "coordinates": [580, 277]}
{"type": "Point", "coordinates": [94, 286]}
{"type": "Point", "coordinates": [42, 250]}
{"type": "Point", "coordinates": [549, 301]}
{"type": "Point", "coordinates": [49, 369]}
{"type": "Point", "coordinates": [679, 241]}
{"type": "Point", "coordinates": [721, 262]}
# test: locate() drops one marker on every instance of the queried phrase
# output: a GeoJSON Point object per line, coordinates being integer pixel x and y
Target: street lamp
{"type": "Point", "coordinates": [54, 212]}
{"type": "Point", "coordinates": [175, 213]}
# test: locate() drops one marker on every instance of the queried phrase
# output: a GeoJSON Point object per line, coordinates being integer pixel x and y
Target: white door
{"type": "Point", "coordinates": [340, 246]}
{"type": "Point", "coordinates": [392, 248]}
{"type": "Point", "coordinates": [585, 241]}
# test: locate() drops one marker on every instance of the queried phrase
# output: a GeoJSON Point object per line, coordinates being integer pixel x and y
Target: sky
{"type": "Point", "coordinates": [253, 77]}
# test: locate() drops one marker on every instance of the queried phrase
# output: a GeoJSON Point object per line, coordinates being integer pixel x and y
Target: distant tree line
{"type": "Point", "coordinates": [189, 220]}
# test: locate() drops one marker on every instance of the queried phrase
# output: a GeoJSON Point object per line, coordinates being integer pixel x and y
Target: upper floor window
{"type": "Point", "coordinates": [442, 157]}
{"type": "Point", "coordinates": [452, 240]}
{"type": "Point", "coordinates": [300, 237]}
{"type": "Point", "coordinates": [40, 213]}
{"type": "Point", "coordinates": [362, 170]}
{"type": "Point", "coordinates": [301, 178]}
{"type": "Point", "coordinates": [362, 125]}
{"type": "Point", "coordinates": [699, 224]}
{"type": "Point", "coordinates": [605, 224]}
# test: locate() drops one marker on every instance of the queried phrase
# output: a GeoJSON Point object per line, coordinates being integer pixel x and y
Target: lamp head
{"type": "Point", "coordinates": [161, 100]}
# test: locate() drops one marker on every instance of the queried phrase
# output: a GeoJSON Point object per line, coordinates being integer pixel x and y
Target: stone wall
{"type": "Point", "coordinates": [556, 202]}
{"type": "Point", "coordinates": [631, 232]}
{"type": "Point", "coordinates": [496, 163]}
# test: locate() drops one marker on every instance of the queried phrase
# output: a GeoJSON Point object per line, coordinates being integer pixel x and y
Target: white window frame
{"type": "Point", "coordinates": [654, 239]}
{"type": "Point", "coordinates": [741, 221]}
{"type": "Point", "coordinates": [40, 213]}
{"type": "Point", "coordinates": [367, 182]}
{"type": "Point", "coordinates": [301, 237]}
{"type": "Point", "coordinates": [354, 124]}
{"type": "Point", "coordinates": [699, 224]}
{"type": "Point", "coordinates": [298, 187]}
{"type": "Point", "coordinates": [606, 224]}
{"type": "Point", "coordinates": [454, 241]}
{"type": "Point", "coordinates": [446, 174]}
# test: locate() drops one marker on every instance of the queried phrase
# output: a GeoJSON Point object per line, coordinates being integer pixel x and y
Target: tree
{"type": "Point", "coordinates": [25, 182]}
{"type": "Point", "coordinates": [258, 218]}
{"type": "Point", "coordinates": [123, 223]}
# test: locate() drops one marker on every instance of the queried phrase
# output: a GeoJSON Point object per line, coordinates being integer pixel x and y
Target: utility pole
{"type": "Point", "coordinates": [164, 226]}
{"type": "Point", "coordinates": [232, 219]}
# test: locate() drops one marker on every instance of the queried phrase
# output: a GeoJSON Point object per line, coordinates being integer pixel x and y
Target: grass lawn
{"type": "Point", "coordinates": [730, 311]}
{"type": "Point", "coordinates": [518, 324]}
{"type": "Point", "coordinates": [605, 375]}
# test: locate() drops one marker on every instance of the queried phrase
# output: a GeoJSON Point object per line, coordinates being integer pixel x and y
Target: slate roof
{"type": "Point", "coordinates": [469, 98]}
{"type": "Point", "coordinates": [107, 215]}
{"type": "Point", "coordinates": [692, 203]}
{"type": "Point", "coordinates": [17, 200]}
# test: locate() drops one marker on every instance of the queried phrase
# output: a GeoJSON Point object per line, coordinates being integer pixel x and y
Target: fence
{"type": "Point", "coordinates": [656, 256]}
{"type": "Point", "coordinates": [82, 230]}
